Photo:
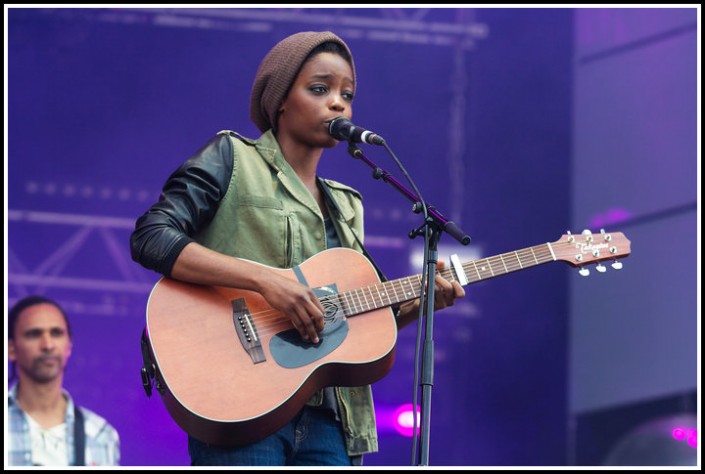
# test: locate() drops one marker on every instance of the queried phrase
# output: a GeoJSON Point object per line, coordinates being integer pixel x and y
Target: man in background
{"type": "Point", "coordinates": [45, 426]}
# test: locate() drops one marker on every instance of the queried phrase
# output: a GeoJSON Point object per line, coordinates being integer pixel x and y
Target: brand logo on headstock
{"type": "Point", "coordinates": [588, 248]}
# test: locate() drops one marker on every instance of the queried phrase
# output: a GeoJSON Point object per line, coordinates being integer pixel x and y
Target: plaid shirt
{"type": "Point", "coordinates": [102, 440]}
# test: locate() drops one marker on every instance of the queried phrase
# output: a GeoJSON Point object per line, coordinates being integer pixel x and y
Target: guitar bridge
{"type": "Point", "coordinates": [246, 331]}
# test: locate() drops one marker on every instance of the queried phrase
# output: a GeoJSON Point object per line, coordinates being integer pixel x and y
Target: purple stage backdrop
{"type": "Point", "coordinates": [511, 122]}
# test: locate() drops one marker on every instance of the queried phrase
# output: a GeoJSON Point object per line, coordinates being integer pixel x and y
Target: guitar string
{"type": "Point", "coordinates": [351, 302]}
{"type": "Point", "coordinates": [356, 301]}
{"type": "Point", "coordinates": [271, 320]}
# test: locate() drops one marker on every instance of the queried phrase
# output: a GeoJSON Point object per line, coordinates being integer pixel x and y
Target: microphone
{"type": "Point", "coordinates": [341, 128]}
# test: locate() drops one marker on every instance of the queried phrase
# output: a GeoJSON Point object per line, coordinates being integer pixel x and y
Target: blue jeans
{"type": "Point", "coordinates": [312, 438]}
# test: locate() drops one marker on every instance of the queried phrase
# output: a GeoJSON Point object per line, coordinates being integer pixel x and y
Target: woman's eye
{"type": "Point", "coordinates": [318, 89]}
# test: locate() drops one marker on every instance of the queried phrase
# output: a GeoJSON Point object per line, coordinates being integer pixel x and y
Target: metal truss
{"type": "Point", "coordinates": [455, 27]}
{"type": "Point", "coordinates": [61, 267]}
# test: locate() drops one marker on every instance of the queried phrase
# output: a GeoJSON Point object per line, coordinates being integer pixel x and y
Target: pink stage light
{"type": "Point", "coordinates": [404, 420]}
{"type": "Point", "coordinates": [690, 435]}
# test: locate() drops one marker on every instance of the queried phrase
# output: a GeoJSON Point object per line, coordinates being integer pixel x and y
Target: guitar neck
{"type": "Point", "coordinates": [404, 289]}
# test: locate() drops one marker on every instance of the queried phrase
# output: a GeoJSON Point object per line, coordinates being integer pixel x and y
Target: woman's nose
{"type": "Point", "coordinates": [337, 103]}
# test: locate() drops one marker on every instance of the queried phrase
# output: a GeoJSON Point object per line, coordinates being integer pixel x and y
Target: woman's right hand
{"type": "Point", "coordinates": [297, 302]}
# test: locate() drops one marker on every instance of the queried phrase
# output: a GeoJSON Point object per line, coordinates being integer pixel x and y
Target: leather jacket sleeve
{"type": "Point", "coordinates": [188, 202]}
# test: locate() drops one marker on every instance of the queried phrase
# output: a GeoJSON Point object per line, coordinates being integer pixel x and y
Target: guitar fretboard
{"type": "Point", "coordinates": [392, 292]}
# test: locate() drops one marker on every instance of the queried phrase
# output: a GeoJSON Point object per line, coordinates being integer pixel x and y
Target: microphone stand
{"type": "Point", "coordinates": [434, 224]}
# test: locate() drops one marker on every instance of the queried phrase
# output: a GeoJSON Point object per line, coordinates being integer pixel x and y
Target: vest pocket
{"type": "Point", "coordinates": [264, 231]}
{"type": "Point", "coordinates": [293, 240]}
{"type": "Point", "coordinates": [289, 242]}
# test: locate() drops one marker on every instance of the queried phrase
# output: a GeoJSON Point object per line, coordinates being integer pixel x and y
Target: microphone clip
{"type": "Point", "coordinates": [343, 129]}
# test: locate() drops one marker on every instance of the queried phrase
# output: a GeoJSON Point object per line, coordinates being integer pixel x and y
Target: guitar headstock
{"type": "Point", "coordinates": [586, 248]}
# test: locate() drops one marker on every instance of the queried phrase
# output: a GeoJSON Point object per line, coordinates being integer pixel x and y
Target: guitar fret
{"type": "Point", "coordinates": [409, 293]}
{"type": "Point", "coordinates": [396, 295]}
{"type": "Point", "coordinates": [509, 266]}
{"type": "Point", "coordinates": [479, 277]}
{"type": "Point", "coordinates": [347, 310]}
{"type": "Point", "coordinates": [528, 257]}
{"type": "Point", "coordinates": [356, 297]}
{"type": "Point", "coordinates": [403, 291]}
{"type": "Point", "coordinates": [504, 264]}
{"type": "Point", "coordinates": [386, 293]}
{"type": "Point", "coordinates": [377, 298]}
{"type": "Point", "coordinates": [489, 264]}
{"type": "Point", "coordinates": [337, 301]}
{"type": "Point", "coordinates": [376, 302]}
{"type": "Point", "coordinates": [518, 259]}
{"type": "Point", "coordinates": [346, 303]}
{"type": "Point", "coordinates": [363, 300]}
{"type": "Point", "coordinates": [379, 295]}
{"type": "Point", "coordinates": [349, 302]}
{"type": "Point", "coordinates": [525, 258]}
{"type": "Point", "coordinates": [354, 303]}
{"type": "Point", "coordinates": [534, 254]}
{"type": "Point", "coordinates": [546, 253]}
{"type": "Point", "coordinates": [448, 275]}
{"type": "Point", "coordinates": [367, 303]}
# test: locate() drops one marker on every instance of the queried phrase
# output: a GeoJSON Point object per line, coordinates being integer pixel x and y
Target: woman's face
{"type": "Point", "coordinates": [323, 90]}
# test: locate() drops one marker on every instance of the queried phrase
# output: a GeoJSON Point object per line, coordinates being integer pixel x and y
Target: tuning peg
{"type": "Point", "coordinates": [601, 268]}
{"type": "Point", "coordinates": [617, 265]}
{"type": "Point", "coordinates": [605, 235]}
{"type": "Point", "coordinates": [584, 271]}
{"type": "Point", "coordinates": [571, 238]}
{"type": "Point", "coordinates": [588, 235]}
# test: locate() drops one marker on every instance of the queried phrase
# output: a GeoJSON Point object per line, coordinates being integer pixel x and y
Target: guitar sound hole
{"type": "Point", "coordinates": [331, 309]}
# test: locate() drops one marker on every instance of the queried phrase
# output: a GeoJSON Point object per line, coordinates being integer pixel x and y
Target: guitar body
{"type": "Point", "coordinates": [232, 370]}
{"type": "Point", "coordinates": [222, 394]}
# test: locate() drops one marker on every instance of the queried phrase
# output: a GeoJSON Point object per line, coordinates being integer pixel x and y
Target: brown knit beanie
{"type": "Point", "coordinates": [278, 71]}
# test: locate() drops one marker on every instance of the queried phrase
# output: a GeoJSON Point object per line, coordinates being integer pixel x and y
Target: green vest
{"type": "Point", "coordinates": [269, 216]}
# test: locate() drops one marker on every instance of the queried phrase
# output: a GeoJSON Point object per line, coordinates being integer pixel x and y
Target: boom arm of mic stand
{"type": "Point", "coordinates": [449, 227]}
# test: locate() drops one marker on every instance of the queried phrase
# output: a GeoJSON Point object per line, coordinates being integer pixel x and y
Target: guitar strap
{"type": "Point", "coordinates": [334, 206]}
{"type": "Point", "coordinates": [300, 275]}
{"type": "Point", "coordinates": [79, 437]}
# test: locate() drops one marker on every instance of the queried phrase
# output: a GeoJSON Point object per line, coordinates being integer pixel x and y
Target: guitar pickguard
{"type": "Point", "coordinates": [287, 347]}
{"type": "Point", "coordinates": [290, 351]}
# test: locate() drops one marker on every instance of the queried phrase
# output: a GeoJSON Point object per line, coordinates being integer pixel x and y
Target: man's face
{"type": "Point", "coordinates": [41, 346]}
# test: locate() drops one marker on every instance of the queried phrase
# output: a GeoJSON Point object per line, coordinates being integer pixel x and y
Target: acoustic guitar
{"type": "Point", "coordinates": [231, 369]}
